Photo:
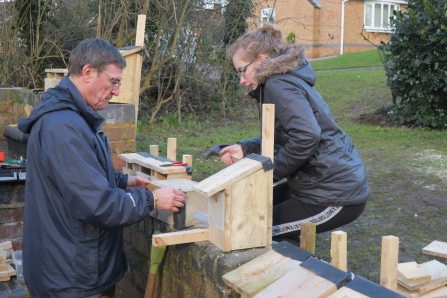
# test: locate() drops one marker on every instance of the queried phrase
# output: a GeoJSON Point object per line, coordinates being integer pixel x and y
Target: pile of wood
{"type": "Point", "coordinates": [426, 280]}
{"type": "Point", "coordinates": [6, 270]}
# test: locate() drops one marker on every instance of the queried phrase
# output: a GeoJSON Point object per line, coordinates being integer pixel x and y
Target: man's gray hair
{"type": "Point", "coordinates": [96, 52]}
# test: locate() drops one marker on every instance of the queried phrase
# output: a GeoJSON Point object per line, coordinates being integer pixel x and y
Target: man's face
{"type": "Point", "coordinates": [103, 86]}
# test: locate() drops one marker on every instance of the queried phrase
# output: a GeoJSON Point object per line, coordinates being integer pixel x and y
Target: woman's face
{"type": "Point", "coordinates": [246, 69]}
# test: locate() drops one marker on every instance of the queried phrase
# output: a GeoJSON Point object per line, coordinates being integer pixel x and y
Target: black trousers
{"type": "Point", "coordinates": [289, 214]}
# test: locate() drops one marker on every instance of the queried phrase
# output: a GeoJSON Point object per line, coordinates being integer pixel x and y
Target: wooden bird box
{"type": "Point", "coordinates": [238, 204]}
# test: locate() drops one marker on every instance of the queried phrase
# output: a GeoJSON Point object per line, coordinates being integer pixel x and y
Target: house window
{"type": "Point", "coordinates": [377, 15]}
{"type": "Point", "coordinates": [267, 16]}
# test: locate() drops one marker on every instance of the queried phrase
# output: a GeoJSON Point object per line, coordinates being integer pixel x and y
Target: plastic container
{"type": "Point", "coordinates": [17, 142]}
{"type": "Point", "coordinates": [18, 263]}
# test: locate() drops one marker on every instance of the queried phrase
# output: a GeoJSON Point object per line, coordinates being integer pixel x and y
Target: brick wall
{"type": "Point", "coordinates": [319, 29]}
{"type": "Point", "coordinates": [187, 270]}
{"type": "Point", "coordinates": [12, 197]}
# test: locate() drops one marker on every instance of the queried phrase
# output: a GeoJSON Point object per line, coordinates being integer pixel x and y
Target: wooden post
{"type": "Point", "coordinates": [307, 239]}
{"type": "Point", "coordinates": [153, 150]}
{"type": "Point", "coordinates": [187, 158]}
{"type": "Point", "coordinates": [139, 41]}
{"type": "Point", "coordinates": [172, 149]}
{"type": "Point", "coordinates": [267, 149]}
{"type": "Point", "coordinates": [389, 261]}
{"type": "Point", "coordinates": [339, 252]}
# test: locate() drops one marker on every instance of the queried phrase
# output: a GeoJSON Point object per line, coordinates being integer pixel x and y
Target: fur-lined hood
{"type": "Point", "coordinates": [292, 61]}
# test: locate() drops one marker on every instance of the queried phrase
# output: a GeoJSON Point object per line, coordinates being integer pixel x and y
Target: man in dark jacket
{"type": "Point", "coordinates": [75, 203]}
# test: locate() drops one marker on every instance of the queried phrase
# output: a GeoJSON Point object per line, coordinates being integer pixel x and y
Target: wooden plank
{"type": "Point", "coordinates": [219, 216]}
{"type": "Point", "coordinates": [2, 254]}
{"type": "Point", "coordinates": [181, 237]}
{"type": "Point", "coordinates": [308, 234]}
{"type": "Point", "coordinates": [126, 53]}
{"type": "Point", "coordinates": [299, 282]}
{"type": "Point", "coordinates": [228, 176]}
{"type": "Point", "coordinates": [5, 278]}
{"type": "Point", "coordinates": [3, 270]}
{"type": "Point", "coordinates": [405, 292]}
{"type": "Point", "coordinates": [345, 292]}
{"type": "Point", "coordinates": [411, 273]}
{"type": "Point", "coordinates": [254, 276]}
{"type": "Point", "coordinates": [267, 149]}
{"type": "Point", "coordinates": [151, 163]}
{"type": "Point", "coordinates": [436, 293]}
{"type": "Point", "coordinates": [6, 245]}
{"type": "Point", "coordinates": [11, 271]}
{"type": "Point", "coordinates": [389, 261]}
{"type": "Point", "coordinates": [130, 157]}
{"type": "Point", "coordinates": [141, 25]}
{"type": "Point", "coordinates": [436, 248]}
{"type": "Point", "coordinates": [438, 273]}
{"type": "Point", "coordinates": [172, 149]}
{"type": "Point", "coordinates": [248, 212]}
{"type": "Point", "coordinates": [339, 250]}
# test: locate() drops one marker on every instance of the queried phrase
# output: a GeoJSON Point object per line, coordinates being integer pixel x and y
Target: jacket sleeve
{"type": "Point", "coordinates": [79, 184]}
{"type": "Point", "coordinates": [121, 180]}
{"type": "Point", "coordinates": [251, 146]}
{"type": "Point", "coordinates": [295, 115]}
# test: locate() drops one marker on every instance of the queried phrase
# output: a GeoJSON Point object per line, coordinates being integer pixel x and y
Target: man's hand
{"type": "Point", "coordinates": [231, 154]}
{"type": "Point", "coordinates": [170, 199]}
{"type": "Point", "coordinates": [137, 181]}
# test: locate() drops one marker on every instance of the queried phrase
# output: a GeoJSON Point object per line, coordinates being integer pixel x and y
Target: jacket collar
{"type": "Point", "coordinates": [292, 57]}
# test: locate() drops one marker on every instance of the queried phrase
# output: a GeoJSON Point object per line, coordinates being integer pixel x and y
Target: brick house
{"type": "Point", "coordinates": [331, 27]}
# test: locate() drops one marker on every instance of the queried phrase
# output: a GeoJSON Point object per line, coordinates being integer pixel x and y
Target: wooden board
{"type": "Point", "coordinates": [436, 248]}
{"type": "Point", "coordinates": [173, 238]}
{"type": "Point", "coordinates": [345, 292]}
{"type": "Point", "coordinates": [412, 273]}
{"type": "Point", "coordinates": [256, 275]}
{"type": "Point", "coordinates": [151, 163]}
{"type": "Point", "coordinates": [436, 293]}
{"type": "Point", "coordinates": [407, 293]}
{"type": "Point", "coordinates": [438, 273]}
{"type": "Point", "coordinates": [299, 281]}
{"type": "Point", "coordinates": [228, 176]}
{"type": "Point", "coordinates": [6, 245]}
{"type": "Point", "coordinates": [11, 271]}
{"type": "Point", "coordinates": [3, 269]}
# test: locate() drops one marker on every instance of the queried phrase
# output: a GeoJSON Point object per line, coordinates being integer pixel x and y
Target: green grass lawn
{"type": "Point", "coordinates": [406, 168]}
{"type": "Point", "coordinates": [351, 60]}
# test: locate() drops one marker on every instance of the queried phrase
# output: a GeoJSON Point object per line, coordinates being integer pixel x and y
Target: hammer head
{"type": "Point", "coordinates": [214, 150]}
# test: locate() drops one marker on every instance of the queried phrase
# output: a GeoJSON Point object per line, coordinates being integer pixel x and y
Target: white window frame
{"type": "Point", "coordinates": [268, 16]}
{"type": "Point", "coordinates": [369, 17]}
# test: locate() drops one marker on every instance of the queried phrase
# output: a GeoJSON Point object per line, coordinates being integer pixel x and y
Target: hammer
{"type": "Point", "coordinates": [215, 151]}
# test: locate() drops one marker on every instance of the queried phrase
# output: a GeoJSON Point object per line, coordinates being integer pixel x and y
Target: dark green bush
{"type": "Point", "coordinates": [415, 63]}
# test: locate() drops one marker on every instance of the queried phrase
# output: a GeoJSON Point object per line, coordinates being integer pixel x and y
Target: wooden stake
{"type": "Point", "coordinates": [172, 149]}
{"type": "Point", "coordinates": [307, 240]}
{"type": "Point", "coordinates": [153, 149]}
{"type": "Point", "coordinates": [389, 262]}
{"type": "Point", "coordinates": [339, 252]}
{"type": "Point", "coordinates": [267, 149]}
{"type": "Point", "coordinates": [187, 158]}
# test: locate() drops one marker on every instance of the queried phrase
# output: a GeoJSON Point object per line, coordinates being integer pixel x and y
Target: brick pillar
{"type": "Point", "coordinates": [12, 197]}
{"type": "Point", "coordinates": [121, 130]}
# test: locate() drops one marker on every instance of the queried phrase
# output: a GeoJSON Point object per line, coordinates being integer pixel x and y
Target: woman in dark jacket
{"type": "Point", "coordinates": [325, 176]}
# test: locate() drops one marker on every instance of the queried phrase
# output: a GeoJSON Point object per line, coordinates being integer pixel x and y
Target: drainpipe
{"type": "Point", "coordinates": [342, 25]}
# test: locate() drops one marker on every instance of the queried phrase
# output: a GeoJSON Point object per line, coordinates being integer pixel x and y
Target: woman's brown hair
{"type": "Point", "coordinates": [264, 40]}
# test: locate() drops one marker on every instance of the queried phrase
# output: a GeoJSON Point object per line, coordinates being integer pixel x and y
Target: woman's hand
{"type": "Point", "coordinates": [137, 181]}
{"type": "Point", "coordinates": [170, 199]}
{"type": "Point", "coordinates": [231, 154]}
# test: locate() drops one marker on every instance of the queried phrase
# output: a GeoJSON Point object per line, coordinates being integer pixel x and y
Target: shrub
{"type": "Point", "coordinates": [415, 63]}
